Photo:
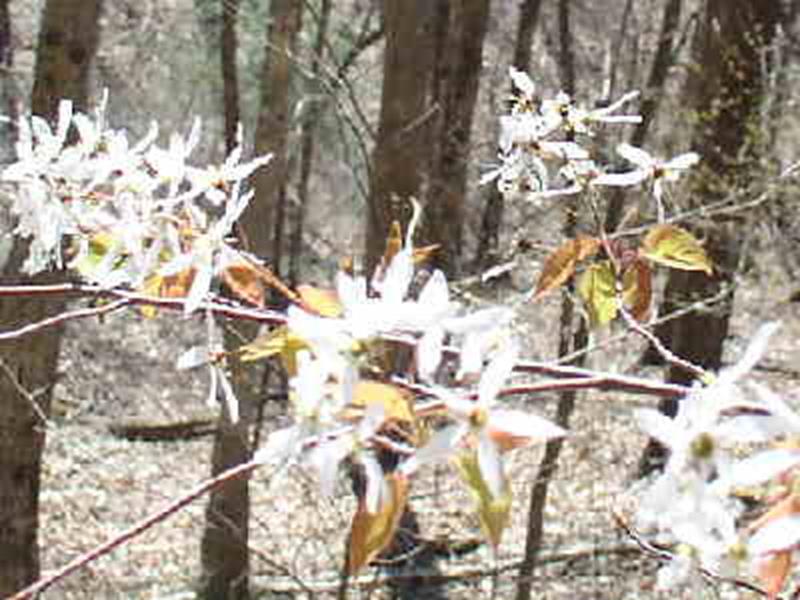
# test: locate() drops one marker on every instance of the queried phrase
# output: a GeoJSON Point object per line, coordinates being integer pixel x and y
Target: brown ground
{"type": "Point", "coordinates": [96, 485]}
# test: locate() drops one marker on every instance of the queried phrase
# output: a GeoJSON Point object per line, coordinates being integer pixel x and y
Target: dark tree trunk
{"type": "Point", "coordinates": [67, 43]}
{"type": "Point", "coordinates": [456, 90]}
{"type": "Point", "coordinates": [572, 337]}
{"type": "Point", "coordinates": [225, 553]}
{"type": "Point", "coordinates": [229, 44]}
{"type": "Point", "coordinates": [726, 90]}
{"type": "Point", "coordinates": [402, 148]}
{"type": "Point", "coordinates": [492, 217]}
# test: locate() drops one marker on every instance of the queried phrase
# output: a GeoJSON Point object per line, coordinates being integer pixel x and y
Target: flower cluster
{"type": "Point", "coordinates": [694, 501]}
{"type": "Point", "coordinates": [142, 216]}
{"type": "Point", "coordinates": [328, 378]}
{"type": "Point", "coordinates": [124, 213]}
{"type": "Point", "coordinates": [538, 133]}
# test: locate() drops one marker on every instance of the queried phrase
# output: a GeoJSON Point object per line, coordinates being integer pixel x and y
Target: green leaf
{"type": "Point", "coordinates": [493, 511]}
{"type": "Point", "coordinates": [674, 247]}
{"type": "Point", "coordinates": [597, 288]}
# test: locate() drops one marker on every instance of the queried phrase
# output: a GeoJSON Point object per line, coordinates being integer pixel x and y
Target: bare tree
{"type": "Point", "coordinates": [402, 147]}
{"type": "Point", "coordinates": [492, 216]}
{"type": "Point", "coordinates": [225, 553]}
{"type": "Point", "coordinates": [67, 43]}
{"type": "Point", "coordinates": [726, 90]}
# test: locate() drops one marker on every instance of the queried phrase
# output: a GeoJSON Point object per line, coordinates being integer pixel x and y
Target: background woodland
{"type": "Point", "coordinates": [364, 104]}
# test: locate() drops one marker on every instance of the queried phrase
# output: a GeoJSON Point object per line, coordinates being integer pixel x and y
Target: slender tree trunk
{"type": "Point", "coordinates": [402, 147]}
{"type": "Point", "coordinates": [225, 553]}
{"type": "Point", "coordinates": [492, 218]}
{"type": "Point", "coordinates": [229, 45]}
{"type": "Point", "coordinates": [726, 89]}
{"type": "Point", "coordinates": [572, 337]}
{"type": "Point", "coordinates": [308, 145]}
{"type": "Point", "coordinates": [67, 43]}
{"type": "Point", "coordinates": [651, 97]}
{"type": "Point", "coordinates": [272, 131]}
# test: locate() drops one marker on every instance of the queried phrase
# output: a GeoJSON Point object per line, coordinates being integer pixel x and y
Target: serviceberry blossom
{"type": "Point", "coordinates": [485, 427]}
{"type": "Point", "coordinates": [691, 500]}
{"type": "Point", "coordinates": [654, 171]}
{"type": "Point", "coordinates": [535, 134]}
{"type": "Point", "coordinates": [125, 213]}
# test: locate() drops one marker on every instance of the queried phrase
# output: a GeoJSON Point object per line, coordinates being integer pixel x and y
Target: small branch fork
{"type": "Point", "coordinates": [572, 377]}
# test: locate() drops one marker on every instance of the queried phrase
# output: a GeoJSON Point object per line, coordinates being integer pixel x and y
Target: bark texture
{"type": "Point", "coordinates": [225, 552]}
{"type": "Point", "coordinates": [726, 90]}
{"type": "Point", "coordinates": [67, 44]}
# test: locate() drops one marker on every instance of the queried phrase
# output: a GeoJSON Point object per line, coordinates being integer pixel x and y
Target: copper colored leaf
{"type": "Point", "coordinates": [773, 571]}
{"type": "Point", "coordinates": [394, 243]}
{"type": "Point", "coordinates": [493, 511]}
{"type": "Point", "coordinates": [561, 264]}
{"type": "Point", "coordinates": [597, 288]}
{"type": "Point", "coordinates": [371, 533]}
{"type": "Point", "coordinates": [677, 248]}
{"type": "Point", "coordinates": [319, 301]}
{"type": "Point", "coordinates": [637, 289]}
{"type": "Point", "coordinates": [271, 280]}
{"type": "Point", "coordinates": [244, 281]}
{"type": "Point", "coordinates": [424, 254]}
{"type": "Point", "coordinates": [397, 402]}
{"type": "Point", "coordinates": [169, 286]}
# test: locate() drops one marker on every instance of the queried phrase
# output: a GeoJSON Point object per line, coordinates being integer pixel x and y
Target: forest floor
{"type": "Point", "coordinates": [95, 484]}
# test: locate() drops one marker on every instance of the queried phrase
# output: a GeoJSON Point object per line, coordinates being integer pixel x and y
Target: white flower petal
{"type": "Point", "coordinates": [777, 535]}
{"type": "Point", "coordinates": [683, 161]}
{"type": "Point", "coordinates": [496, 373]}
{"type": "Point", "coordinates": [441, 445]}
{"type": "Point", "coordinates": [522, 81]}
{"type": "Point", "coordinates": [490, 465]}
{"type": "Point", "coordinates": [524, 425]}
{"type": "Point", "coordinates": [429, 353]}
{"type": "Point", "coordinates": [762, 467]}
{"type": "Point", "coordinates": [636, 155]}
{"type": "Point", "coordinates": [755, 350]}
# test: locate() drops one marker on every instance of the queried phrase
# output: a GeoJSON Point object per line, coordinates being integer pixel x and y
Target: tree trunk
{"type": "Point", "coordinates": [67, 43]}
{"type": "Point", "coordinates": [308, 145]}
{"type": "Point", "coordinates": [726, 89]}
{"type": "Point", "coordinates": [229, 44]}
{"type": "Point", "coordinates": [492, 218]}
{"type": "Point", "coordinates": [225, 554]}
{"type": "Point", "coordinates": [573, 336]}
{"type": "Point", "coordinates": [402, 146]}
{"type": "Point", "coordinates": [456, 90]}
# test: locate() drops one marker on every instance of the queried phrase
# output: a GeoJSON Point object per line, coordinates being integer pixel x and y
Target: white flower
{"type": "Point", "coordinates": [651, 169]}
{"type": "Point", "coordinates": [327, 455]}
{"type": "Point", "coordinates": [490, 428]}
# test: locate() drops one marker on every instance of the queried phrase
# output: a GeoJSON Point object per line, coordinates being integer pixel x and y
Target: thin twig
{"type": "Point", "coordinates": [62, 318]}
{"type": "Point", "coordinates": [665, 555]}
{"type": "Point", "coordinates": [130, 533]}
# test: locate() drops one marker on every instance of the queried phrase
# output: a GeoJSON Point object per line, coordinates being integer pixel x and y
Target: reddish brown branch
{"type": "Point", "coordinates": [130, 533]}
